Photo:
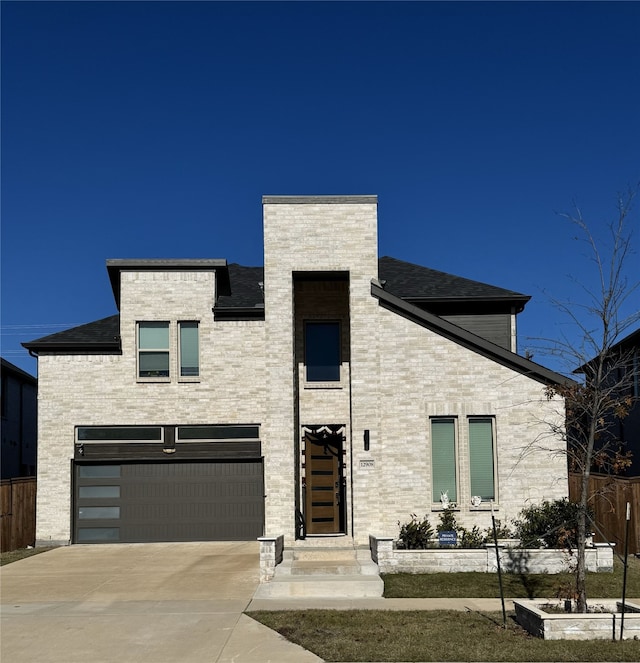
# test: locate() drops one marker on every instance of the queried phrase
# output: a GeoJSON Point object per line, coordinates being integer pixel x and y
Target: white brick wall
{"type": "Point", "coordinates": [91, 390]}
{"type": "Point", "coordinates": [399, 375]}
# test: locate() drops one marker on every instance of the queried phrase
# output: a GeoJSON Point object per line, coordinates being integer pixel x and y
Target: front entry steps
{"type": "Point", "coordinates": [324, 568]}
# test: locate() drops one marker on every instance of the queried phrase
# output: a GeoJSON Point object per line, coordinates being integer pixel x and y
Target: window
{"type": "Point", "coordinates": [119, 433]}
{"type": "Point", "coordinates": [322, 351]}
{"type": "Point", "coordinates": [448, 472]}
{"type": "Point", "coordinates": [443, 459]}
{"type": "Point", "coordinates": [481, 467]}
{"type": "Point", "coordinates": [189, 349]}
{"type": "Point", "coordinates": [153, 349]}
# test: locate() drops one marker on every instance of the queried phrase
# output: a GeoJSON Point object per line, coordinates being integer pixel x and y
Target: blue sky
{"type": "Point", "coordinates": [152, 129]}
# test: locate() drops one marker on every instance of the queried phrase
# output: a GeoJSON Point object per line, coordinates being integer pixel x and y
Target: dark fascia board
{"type": "Point", "coordinates": [312, 200]}
{"type": "Point", "coordinates": [237, 313]}
{"type": "Point", "coordinates": [467, 339]}
{"type": "Point", "coordinates": [74, 348]}
{"type": "Point", "coordinates": [117, 265]}
{"type": "Point", "coordinates": [517, 302]}
{"type": "Point", "coordinates": [520, 300]}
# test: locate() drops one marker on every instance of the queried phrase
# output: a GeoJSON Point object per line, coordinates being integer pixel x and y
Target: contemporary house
{"type": "Point", "coordinates": [19, 395]}
{"type": "Point", "coordinates": [328, 393]}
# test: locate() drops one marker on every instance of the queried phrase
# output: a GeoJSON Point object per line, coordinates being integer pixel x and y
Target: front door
{"type": "Point", "coordinates": [324, 486]}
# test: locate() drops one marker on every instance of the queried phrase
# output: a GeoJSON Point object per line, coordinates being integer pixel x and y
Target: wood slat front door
{"type": "Point", "coordinates": [324, 494]}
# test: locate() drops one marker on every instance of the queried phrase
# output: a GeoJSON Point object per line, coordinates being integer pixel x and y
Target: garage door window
{"type": "Point", "coordinates": [98, 534]}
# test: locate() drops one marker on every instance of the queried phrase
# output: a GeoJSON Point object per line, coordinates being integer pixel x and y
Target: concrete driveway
{"type": "Point", "coordinates": [173, 602]}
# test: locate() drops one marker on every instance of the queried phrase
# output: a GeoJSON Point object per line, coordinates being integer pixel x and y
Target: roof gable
{"type": "Point", "coordinates": [465, 338]}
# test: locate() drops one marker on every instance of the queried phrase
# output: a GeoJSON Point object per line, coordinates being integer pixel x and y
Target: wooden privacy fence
{"type": "Point", "coordinates": [609, 497]}
{"type": "Point", "coordinates": [17, 513]}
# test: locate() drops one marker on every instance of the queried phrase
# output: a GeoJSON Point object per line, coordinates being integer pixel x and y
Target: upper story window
{"type": "Point", "coordinates": [153, 349]}
{"type": "Point", "coordinates": [322, 351]}
{"type": "Point", "coordinates": [189, 349]}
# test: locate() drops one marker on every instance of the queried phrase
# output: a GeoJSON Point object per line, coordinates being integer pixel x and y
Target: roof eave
{"type": "Point", "coordinates": [219, 265]}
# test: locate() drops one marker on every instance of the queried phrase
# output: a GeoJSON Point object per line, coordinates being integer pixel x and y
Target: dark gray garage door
{"type": "Point", "coordinates": [165, 501]}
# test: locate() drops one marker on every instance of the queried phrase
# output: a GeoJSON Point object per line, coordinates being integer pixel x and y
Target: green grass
{"type": "Point", "coordinates": [16, 555]}
{"type": "Point", "coordinates": [388, 635]}
{"type": "Point", "coordinates": [366, 635]}
{"type": "Point", "coordinates": [485, 585]}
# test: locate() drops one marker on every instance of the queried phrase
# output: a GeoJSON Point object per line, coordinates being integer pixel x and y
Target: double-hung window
{"type": "Point", "coordinates": [443, 459]}
{"type": "Point", "coordinates": [153, 349]}
{"type": "Point", "coordinates": [189, 349]}
{"type": "Point", "coordinates": [481, 465]}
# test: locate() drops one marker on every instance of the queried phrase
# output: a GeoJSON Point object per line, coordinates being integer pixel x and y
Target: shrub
{"type": "Point", "coordinates": [552, 524]}
{"type": "Point", "coordinates": [415, 534]}
{"type": "Point", "coordinates": [471, 538]}
{"type": "Point", "coordinates": [447, 520]}
{"type": "Point", "coordinates": [502, 531]}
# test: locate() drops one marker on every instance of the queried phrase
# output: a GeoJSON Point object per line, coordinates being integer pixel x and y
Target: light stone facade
{"type": "Point", "coordinates": [320, 257]}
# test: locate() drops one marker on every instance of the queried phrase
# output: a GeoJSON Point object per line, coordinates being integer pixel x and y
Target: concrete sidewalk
{"type": "Point", "coordinates": [481, 605]}
{"type": "Point", "coordinates": [149, 603]}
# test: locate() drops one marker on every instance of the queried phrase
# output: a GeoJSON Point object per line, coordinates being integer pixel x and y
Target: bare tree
{"type": "Point", "coordinates": [602, 396]}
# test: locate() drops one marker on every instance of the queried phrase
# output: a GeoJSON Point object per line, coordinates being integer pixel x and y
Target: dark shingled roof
{"type": "Point", "coordinates": [409, 282]}
{"type": "Point", "coordinates": [245, 288]}
{"type": "Point", "coordinates": [416, 283]}
{"type": "Point", "coordinates": [101, 335]}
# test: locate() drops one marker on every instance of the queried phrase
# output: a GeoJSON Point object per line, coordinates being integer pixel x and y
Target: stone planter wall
{"type": "Point", "coordinates": [271, 548]}
{"type": "Point", "coordinates": [574, 626]}
{"type": "Point", "coordinates": [483, 560]}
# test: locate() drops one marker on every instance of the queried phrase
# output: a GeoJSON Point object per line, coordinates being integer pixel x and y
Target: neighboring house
{"type": "Point", "coordinates": [19, 397]}
{"type": "Point", "coordinates": [625, 362]}
{"type": "Point", "coordinates": [329, 393]}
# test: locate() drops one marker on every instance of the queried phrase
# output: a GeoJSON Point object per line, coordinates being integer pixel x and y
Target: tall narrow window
{"type": "Point", "coordinates": [443, 459]}
{"type": "Point", "coordinates": [322, 351]}
{"type": "Point", "coordinates": [153, 349]}
{"type": "Point", "coordinates": [481, 466]}
{"type": "Point", "coordinates": [189, 349]}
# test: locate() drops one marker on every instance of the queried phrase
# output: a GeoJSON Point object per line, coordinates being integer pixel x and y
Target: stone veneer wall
{"type": "Point", "coordinates": [599, 559]}
{"type": "Point", "coordinates": [102, 390]}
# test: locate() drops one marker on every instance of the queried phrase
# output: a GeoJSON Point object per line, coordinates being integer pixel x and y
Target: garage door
{"type": "Point", "coordinates": [168, 501]}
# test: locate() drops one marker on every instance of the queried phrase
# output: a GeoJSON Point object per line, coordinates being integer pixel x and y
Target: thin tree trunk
{"type": "Point", "coordinates": [581, 570]}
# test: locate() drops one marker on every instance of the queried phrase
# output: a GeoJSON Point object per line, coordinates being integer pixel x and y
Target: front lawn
{"type": "Point", "coordinates": [368, 635]}
{"type": "Point", "coordinates": [525, 586]}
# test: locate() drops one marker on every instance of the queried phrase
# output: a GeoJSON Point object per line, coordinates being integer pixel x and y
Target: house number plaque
{"type": "Point", "coordinates": [369, 462]}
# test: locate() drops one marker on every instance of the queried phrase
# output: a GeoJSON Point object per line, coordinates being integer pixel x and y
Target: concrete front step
{"type": "Point", "coordinates": [325, 567]}
{"type": "Point", "coordinates": [322, 554]}
{"type": "Point", "coordinates": [324, 572]}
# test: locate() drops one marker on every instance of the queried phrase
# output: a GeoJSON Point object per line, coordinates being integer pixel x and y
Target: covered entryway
{"type": "Point", "coordinates": [323, 484]}
{"type": "Point", "coordinates": [138, 502]}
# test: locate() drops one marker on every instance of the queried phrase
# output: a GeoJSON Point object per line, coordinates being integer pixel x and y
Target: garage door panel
{"type": "Point", "coordinates": [174, 502]}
